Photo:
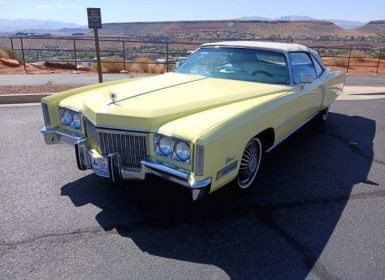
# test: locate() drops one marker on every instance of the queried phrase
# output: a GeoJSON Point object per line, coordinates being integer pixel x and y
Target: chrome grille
{"type": "Point", "coordinates": [131, 146]}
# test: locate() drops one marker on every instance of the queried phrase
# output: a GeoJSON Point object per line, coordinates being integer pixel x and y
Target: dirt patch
{"type": "Point", "coordinates": [4, 90]}
{"type": "Point", "coordinates": [7, 70]}
{"type": "Point", "coordinates": [357, 66]}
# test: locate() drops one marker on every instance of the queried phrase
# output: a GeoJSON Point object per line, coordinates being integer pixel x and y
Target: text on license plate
{"type": "Point", "coordinates": [100, 167]}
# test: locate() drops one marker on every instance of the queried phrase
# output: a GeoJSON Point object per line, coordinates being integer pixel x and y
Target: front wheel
{"type": "Point", "coordinates": [250, 162]}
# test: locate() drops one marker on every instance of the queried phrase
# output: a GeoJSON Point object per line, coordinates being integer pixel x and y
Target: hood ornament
{"type": "Point", "coordinates": [113, 96]}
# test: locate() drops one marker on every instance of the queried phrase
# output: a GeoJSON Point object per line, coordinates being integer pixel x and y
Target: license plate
{"type": "Point", "coordinates": [100, 167]}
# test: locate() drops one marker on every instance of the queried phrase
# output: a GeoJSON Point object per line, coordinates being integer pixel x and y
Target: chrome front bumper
{"type": "Point", "coordinates": [84, 155]}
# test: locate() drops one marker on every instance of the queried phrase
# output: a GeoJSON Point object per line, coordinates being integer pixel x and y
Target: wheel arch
{"type": "Point", "coordinates": [267, 138]}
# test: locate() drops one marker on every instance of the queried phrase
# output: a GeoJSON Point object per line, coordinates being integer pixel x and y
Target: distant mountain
{"type": "Point", "coordinates": [7, 25]}
{"type": "Point", "coordinates": [253, 18]}
{"type": "Point", "coordinates": [294, 18]}
{"type": "Point", "coordinates": [345, 24]}
{"type": "Point", "coordinates": [231, 29]}
{"type": "Point", "coordinates": [376, 26]}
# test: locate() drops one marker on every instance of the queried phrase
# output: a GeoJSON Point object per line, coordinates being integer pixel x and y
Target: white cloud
{"type": "Point", "coordinates": [48, 6]}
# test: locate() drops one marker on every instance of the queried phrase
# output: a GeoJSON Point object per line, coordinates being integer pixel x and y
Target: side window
{"type": "Point", "coordinates": [318, 67]}
{"type": "Point", "coordinates": [301, 64]}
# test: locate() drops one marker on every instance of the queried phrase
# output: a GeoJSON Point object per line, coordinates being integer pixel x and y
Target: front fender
{"type": "Point", "coordinates": [224, 132]}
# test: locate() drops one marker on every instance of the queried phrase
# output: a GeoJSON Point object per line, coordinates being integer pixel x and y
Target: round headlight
{"type": "Point", "coordinates": [75, 121]}
{"type": "Point", "coordinates": [165, 145]}
{"type": "Point", "coordinates": [182, 150]}
{"type": "Point", "coordinates": [66, 117]}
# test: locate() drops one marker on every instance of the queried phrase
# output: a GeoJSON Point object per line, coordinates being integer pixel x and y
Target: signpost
{"type": "Point", "coordinates": [95, 22]}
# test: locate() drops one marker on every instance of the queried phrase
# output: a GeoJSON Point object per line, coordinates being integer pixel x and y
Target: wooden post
{"type": "Point", "coordinates": [75, 57]}
{"type": "Point", "coordinates": [22, 52]}
{"type": "Point", "coordinates": [11, 43]}
{"type": "Point", "coordinates": [378, 62]}
{"type": "Point", "coordinates": [350, 54]}
{"type": "Point", "coordinates": [124, 56]}
{"type": "Point", "coordinates": [97, 48]}
{"type": "Point", "coordinates": [167, 57]}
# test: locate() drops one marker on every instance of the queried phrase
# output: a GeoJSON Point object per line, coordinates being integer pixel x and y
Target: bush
{"type": "Point", "coordinates": [358, 56]}
{"type": "Point", "coordinates": [7, 53]}
{"type": "Point", "coordinates": [110, 66]}
{"type": "Point", "coordinates": [140, 65]}
{"type": "Point", "coordinates": [339, 61]}
{"type": "Point", "coordinates": [145, 65]}
{"type": "Point", "coordinates": [379, 54]}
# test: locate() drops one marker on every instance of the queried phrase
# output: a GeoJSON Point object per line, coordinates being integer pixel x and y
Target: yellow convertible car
{"type": "Point", "coordinates": [204, 126]}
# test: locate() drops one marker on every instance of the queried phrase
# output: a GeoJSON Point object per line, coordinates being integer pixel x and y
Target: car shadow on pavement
{"type": "Point", "coordinates": [278, 229]}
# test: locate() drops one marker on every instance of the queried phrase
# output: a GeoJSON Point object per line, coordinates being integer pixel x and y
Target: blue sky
{"type": "Point", "coordinates": [152, 10]}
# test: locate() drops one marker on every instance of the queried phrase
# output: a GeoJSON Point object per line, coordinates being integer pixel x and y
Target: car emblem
{"type": "Point", "coordinates": [113, 96]}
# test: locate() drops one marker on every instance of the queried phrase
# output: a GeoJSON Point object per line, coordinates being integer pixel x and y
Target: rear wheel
{"type": "Point", "coordinates": [250, 162]}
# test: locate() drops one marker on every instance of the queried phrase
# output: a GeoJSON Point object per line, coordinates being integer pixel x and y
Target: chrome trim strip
{"type": "Point", "coordinates": [287, 136]}
{"type": "Point", "coordinates": [120, 132]}
{"type": "Point", "coordinates": [114, 127]}
{"type": "Point", "coordinates": [157, 89]}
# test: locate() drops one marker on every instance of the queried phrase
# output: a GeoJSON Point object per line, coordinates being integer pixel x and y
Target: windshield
{"type": "Point", "coordinates": [238, 64]}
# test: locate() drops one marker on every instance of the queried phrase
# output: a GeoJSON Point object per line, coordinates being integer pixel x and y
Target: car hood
{"type": "Point", "coordinates": [151, 102]}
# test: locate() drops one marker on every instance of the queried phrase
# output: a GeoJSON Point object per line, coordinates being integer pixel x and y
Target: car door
{"type": "Point", "coordinates": [306, 98]}
{"type": "Point", "coordinates": [309, 95]}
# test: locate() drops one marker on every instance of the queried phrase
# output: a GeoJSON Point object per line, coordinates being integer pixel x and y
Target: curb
{"type": "Point", "coordinates": [22, 98]}
{"type": "Point", "coordinates": [36, 97]}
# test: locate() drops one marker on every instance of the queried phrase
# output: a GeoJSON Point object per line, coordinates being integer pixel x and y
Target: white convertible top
{"type": "Point", "coordinates": [283, 47]}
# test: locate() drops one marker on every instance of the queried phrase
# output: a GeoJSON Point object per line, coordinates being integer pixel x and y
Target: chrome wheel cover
{"type": "Point", "coordinates": [250, 162]}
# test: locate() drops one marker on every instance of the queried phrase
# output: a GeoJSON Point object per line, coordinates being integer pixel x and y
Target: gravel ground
{"type": "Point", "coordinates": [34, 89]}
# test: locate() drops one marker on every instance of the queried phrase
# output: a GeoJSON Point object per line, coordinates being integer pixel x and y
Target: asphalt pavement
{"type": "Point", "coordinates": [87, 79]}
{"type": "Point", "coordinates": [317, 211]}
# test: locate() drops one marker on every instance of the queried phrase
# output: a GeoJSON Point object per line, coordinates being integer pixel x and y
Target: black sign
{"type": "Point", "coordinates": [94, 18]}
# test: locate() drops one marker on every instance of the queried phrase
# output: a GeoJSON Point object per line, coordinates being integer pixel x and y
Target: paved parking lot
{"type": "Point", "coordinates": [317, 212]}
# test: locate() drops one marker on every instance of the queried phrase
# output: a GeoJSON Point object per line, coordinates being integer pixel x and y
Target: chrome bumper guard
{"type": "Point", "coordinates": [56, 136]}
{"type": "Point", "coordinates": [118, 173]}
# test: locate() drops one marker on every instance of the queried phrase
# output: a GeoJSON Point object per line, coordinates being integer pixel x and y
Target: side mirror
{"type": "Point", "coordinates": [306, 79]}
{"type": "Point", "coordinates": [178, 64]}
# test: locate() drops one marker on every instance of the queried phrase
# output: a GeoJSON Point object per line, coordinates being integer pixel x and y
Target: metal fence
{"type": "Point", "coordinates": [125, 52]}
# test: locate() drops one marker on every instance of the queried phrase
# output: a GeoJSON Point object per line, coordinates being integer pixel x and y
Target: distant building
{"type": "Point", "coordinates": [41, 35]}
{"type": "Point", "coordinates": [78, 34]}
